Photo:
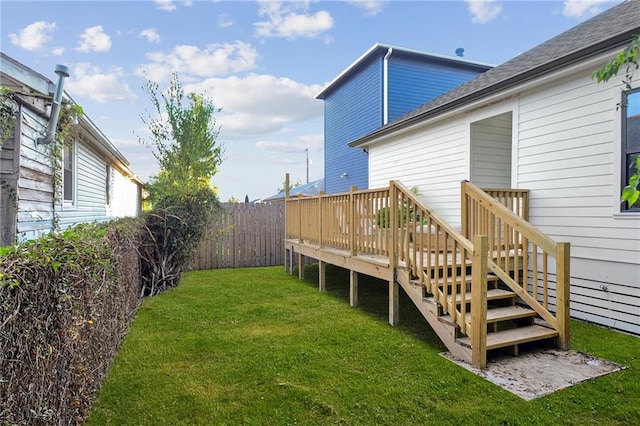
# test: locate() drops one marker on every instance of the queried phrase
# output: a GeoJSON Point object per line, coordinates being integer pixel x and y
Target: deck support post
{"type": "Point", "coordinates": [322, 275]}
{"type": "Point", "coordinates": [478, 330]}
{"type": "Point", "coordinates": [563, 257]}
{"type": "Point", "coordinates": [289, 259]}
{"type": "Point", "coordinates": [394, 302]}
{"type": "Point", "coordinates": [301, 266]}
{"type": "Point", "coordinates": [287, 253]}
{"type": "Point", "coordinates": [353, 288]}
{"type": "Point", "coordinates": [394, 287]}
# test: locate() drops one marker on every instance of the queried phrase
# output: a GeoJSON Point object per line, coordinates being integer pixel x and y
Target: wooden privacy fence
{"type": "Point", "coordinates": [244, 235]}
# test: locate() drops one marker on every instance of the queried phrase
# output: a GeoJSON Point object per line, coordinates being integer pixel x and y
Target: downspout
{"type": "Point", "coordinates": [63, 72]}
{"type": "Point", "coordinates": [385, 87]}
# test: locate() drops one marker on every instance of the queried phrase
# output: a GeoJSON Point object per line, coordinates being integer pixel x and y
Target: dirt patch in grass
{"type": "Point", "coordinates": [540, 373]}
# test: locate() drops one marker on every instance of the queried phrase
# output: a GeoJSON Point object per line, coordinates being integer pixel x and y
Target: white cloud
{"type": "Point", "coordinates": [151, 34]}
{"type": "Point", "coordinates": [170, 6]}
{"type": "Point", "coordinates": [34, 36]}
{"type": "Point", "coordinates": [284, 21]}
{"type": "Point", "coordinates": [214, 60]}
{"type": "Point", "coordinates": [483, 11]}
{"type": "Point", "coordinates": [311, 142]}
{"type": "Point", "coordinates": [370, 7]}
{"type": "Point", "coordinates": [166, 5]}
{"type": "Point", "coordinates": [58, 51]}
{"type": "Point", "coordinates": [259, 104]}
{"type": "Point", "coordinates": [94, 39]}
{"type": "Point", "coordinates": [101, 86]}
{"type": "Point", "coordinates": [579, 8]}
{"type": "Point", "coordinates": [225, 21]}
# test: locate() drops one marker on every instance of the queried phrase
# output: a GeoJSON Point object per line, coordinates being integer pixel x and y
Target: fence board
{"type": "Point", "coordinates": [246, 235]}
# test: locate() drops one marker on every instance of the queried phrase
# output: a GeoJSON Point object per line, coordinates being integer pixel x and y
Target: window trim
{"type": "Point", "coordinates": [108, 183]}
{"type": "Point", "coordinates": [624, 208]}
{"type": "Point", "coordinates": [74, 175]}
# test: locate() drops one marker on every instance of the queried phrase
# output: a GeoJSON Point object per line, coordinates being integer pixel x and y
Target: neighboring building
{"type": "Point", "coordinates": [540, 122]}
{"type": "Point", "coordinates": [95, 180]}
{"type": "Point", "coordinates": [380, 86]}
{"type": "Point", "coordinates": [311, 189]}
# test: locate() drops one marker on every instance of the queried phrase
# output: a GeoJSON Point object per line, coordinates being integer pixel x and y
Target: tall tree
{"type": "Point", "coordinates": [183, 201]}
{"type": "Point", "coordinates": [183, 139]}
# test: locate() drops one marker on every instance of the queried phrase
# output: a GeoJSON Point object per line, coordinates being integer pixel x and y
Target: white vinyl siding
{"type": "Point", "coordinates": [433, 161]}
{"type": "Point", "coordinates": [90, 192]}
{"type": "Point", "coordinates": [491, 142]}
{"type": "Point", "coordinates": [125, 196]}
{"type": "Point", "coordinates": [567, 136]}
{"type": "Point", "coordinates": [567, 158]}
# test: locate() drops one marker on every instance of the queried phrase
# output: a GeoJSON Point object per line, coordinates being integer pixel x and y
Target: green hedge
{"type": "Point", "coordinates": [66, 301]}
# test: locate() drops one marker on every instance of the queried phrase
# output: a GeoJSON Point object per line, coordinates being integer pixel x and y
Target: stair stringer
{"type": "Point", "coordinates": [429, 310]}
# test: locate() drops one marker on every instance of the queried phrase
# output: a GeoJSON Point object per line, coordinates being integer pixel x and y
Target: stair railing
{"type": "Point", "coordinates": [531, 264]}
{"type": "Point", "coordinates": [438, 255]}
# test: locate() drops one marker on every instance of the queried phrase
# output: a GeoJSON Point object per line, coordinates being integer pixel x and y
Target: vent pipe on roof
{"type": "Point", "coordinates": [63, 72]}
{"type": "Point", "coordinates": [460, 51]}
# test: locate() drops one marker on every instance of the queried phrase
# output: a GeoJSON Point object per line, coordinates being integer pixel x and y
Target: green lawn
{"type": "Point", "coordinates": [259, 347]}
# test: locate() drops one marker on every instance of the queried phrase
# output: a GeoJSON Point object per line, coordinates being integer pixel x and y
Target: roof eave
{"type": "Point", "coordinates": [521, 78]}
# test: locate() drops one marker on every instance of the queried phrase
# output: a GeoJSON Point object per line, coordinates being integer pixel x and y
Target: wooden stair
{"type": "Point", "coordinates": [509, 324]}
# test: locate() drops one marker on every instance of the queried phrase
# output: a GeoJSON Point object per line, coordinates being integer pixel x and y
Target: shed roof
{"type": "Point", "coordinates": [608, 30]}
{"type": "Point", "coordinates": [380, 48]}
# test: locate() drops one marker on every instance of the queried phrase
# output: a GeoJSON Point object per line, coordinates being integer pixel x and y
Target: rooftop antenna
{"type": "Point", "coordinates": [63, 72]}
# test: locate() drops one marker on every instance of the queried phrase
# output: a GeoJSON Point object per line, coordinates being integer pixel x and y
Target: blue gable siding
{"type": "Point", "coordinates": [350, 112]}
{"type": "Point", "coordinates": [412, 83]}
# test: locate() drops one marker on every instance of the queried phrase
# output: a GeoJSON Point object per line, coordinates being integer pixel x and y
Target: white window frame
{"type": "Point", "coordinates": [70, 203]}
{"type": "Point", "coordinates": [108, 184]}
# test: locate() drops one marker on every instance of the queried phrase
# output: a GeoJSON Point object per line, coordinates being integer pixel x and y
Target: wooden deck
{"type": "Point", "coordinates": [481, 289]}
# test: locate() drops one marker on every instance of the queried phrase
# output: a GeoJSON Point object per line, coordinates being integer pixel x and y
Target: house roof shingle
{"type": "Point", "coordinates": [605, 31]}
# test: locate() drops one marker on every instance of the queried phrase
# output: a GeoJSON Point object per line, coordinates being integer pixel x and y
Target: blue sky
{"type": "Point", "coordinates": [262, 62]}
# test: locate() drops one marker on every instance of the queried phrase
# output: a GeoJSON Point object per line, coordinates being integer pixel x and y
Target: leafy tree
{"type": "Point", "coordinates": [291, 186]}
{"type": "Point", "coordinates": [628, 59]}
{"type": "Point", "coordinates": [184, 140]}
{"type": "Point", "coordinates": [183, 201]}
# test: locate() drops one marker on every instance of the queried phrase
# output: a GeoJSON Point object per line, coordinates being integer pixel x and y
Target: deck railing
{"type": "Point", "coordinates": [495, 237]}
{"type": "Point", "coordinates": [540, 266]}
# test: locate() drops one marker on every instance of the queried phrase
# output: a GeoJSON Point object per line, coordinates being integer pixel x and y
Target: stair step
{"type": "Point", "coordinates": [504, 313]}
{"type": "Point", "coordinates": [490, 278]}
{"type": "Point", "coordinates": [514, 336]}
{"type": "Point", "coordinates": [492, 294]}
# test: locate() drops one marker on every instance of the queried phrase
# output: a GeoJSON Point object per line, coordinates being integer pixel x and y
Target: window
{"type": "Point", "coordinates": [630, 140]}
{"type": "Point", "coordinates": [107, 186]}
{"type": "Point", "coordinates": [68, 177]}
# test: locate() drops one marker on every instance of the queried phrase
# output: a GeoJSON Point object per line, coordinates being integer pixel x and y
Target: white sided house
{"type": "Point", "coordinates": [540, 122]}
{"type": "Point", "coordinates": [95, 182]}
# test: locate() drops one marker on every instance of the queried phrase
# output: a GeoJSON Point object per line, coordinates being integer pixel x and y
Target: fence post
{"type": "Point", "coordinates": [352, 221]}
{"type": "Point", "coordinates": [286, 222]}
{"type": "Point", "coordinates": [299, 204]}
{"type": "Point", "coordinates": [563, 290]}
{"type": "Point", "coordinates": [479, 301]}
{"type": "Point", "coordinates": [320, 219]}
